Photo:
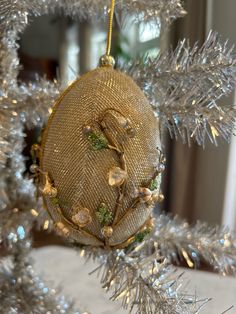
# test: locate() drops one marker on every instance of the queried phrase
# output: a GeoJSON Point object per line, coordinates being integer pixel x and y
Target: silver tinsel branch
{"type": "Point", "coordinates": [184, 87]}
{"type": "Point", "coordinates": [15, 13]}
{"type": "Point", "coordinates": [161, 13]}
{"type": "Point", "coordinates": [141, 275]}
{"type": "Point", "coordinates": [32, 102]}
{"type": "Point", "coordinates": [18, 199]}
{"type": "Point", "coordinates": [21, 290]}
{"type": "Point", "coordinates": [16, 190]}
{"type": "Point", "coordinates": [146, 284]}
{"type": "Point", "coordinates": [21, 105]}
{"type": "Point", "coordinates": [175, 239]}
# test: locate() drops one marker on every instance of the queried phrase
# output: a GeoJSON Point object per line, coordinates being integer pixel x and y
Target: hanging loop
{"type": "Point", "coordinates": [107, 59]}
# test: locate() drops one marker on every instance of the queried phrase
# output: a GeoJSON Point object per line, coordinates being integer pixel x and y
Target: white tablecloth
{"type": "Point", "coordinates": [64, 267]}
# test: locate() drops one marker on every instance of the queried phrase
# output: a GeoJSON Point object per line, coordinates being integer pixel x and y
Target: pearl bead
{"type": "Point", "coordinates": [107, 231]}
{"type": "Point", "coordinates": [34, 168]}
{"type": "Point", "coordinates": [161, 167]}
{"type": "Point", "coordinates": [144, 194]}
{"type": "Point", "coordinates": [151, 223]}
{"type": "Point", "coordinates": [131, 132]}
{"type": "Point", "coordinates": [155, 197]}
{"type": "Point", "coordinates": [62, 228]}
{"type": "Point", "coordinates": [161, 198]}
{"type": "Point", "coordinates": [87, 129]}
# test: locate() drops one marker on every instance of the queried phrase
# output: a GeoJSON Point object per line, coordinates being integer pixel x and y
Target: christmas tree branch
{"type": "Point", "coordinates": [145, 284]}
{"type": "Point", "coordinates": [185, 85]}
{"type": "Point", "coordinates": [178, 241]}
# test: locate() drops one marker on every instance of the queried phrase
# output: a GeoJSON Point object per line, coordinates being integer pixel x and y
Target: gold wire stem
{"type": "Point", "coordinates": [109, 32]}
{"type": "Point", "coordinates": [121, 157]}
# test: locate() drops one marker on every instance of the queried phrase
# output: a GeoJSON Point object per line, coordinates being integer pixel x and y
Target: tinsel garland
{"type": "Point", "coordinates": [184, 87]}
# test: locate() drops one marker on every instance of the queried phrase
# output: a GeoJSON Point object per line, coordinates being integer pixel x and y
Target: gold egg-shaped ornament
{"type": "Point", "coordinates": [101, 155]}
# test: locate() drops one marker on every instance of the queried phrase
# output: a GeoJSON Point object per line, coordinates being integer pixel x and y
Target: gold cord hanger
{"type": "Point", "coordinates": [107, 59]}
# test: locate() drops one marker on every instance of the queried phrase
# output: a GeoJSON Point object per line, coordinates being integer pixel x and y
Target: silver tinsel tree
{"type": "Point", "coordinates": [183, 87]}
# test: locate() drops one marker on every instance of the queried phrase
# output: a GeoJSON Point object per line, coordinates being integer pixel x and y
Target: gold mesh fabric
{"type": "Point", "coordinates": [80, 174]}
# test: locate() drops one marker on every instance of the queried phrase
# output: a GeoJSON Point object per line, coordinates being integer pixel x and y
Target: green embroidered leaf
{"type": "Point", "coordinates": [97, 141]}
{"type": "Point", "coordinates": [55, 201]}
{"type": "Point", "coordinates": [104, 215]}
{"type": "Point", "coordinates": [139, 237]}
{"type": "Point", "coordinates": [153, 185]}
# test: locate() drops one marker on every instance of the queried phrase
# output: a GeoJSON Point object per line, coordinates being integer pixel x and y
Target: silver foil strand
{"type": "Point", "coordinates": [184, 87]}
{"type": "Point", "coordinates": [145, 284]}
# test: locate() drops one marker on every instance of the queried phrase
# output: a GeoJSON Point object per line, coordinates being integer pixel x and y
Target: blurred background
{"type": "Point", "coordinates": [199, 184]}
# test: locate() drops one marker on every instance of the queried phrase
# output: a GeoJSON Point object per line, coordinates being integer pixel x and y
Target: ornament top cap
{"type": "Point", "coordinates": [107, 61]}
